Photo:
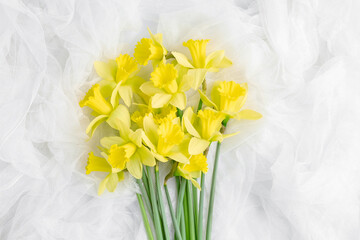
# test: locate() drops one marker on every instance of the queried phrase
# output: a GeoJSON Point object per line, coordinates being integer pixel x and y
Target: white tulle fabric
{"type": "Point", "coordinates": [292, 175]}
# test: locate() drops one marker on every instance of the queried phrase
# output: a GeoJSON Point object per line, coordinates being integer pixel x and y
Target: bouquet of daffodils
{"type": "Point", "coordinates": [153, 125]}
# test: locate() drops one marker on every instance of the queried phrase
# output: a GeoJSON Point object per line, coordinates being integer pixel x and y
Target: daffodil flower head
{"type": "Point", "coordinates": [165, 113]}
{"type": "Point", "coordinates": [126, 151]}
{"type": "Point", "coordinates": [170, 134]}
{"type": "Point", "coordinates": [210, 123]}
{"type": "Point", "coordinates": [166, 140]}
{"type": "Point", "coordinates": [96, 101]}
{"type": "Point", "coordinates": [192, 170]}
{"type": "Point", "coordinates": [198, 51]}
{"type": "Point", "coordinates": [126, 67]}
{"type": "Point", "coordinates": [150, 49]}
{"type": "Point", "coordinates": [164, 77]}
{"type": "Point", "coordinates": [100, 164]}
{"type": "Point", "coordinates": [229, 97]}
{"type": "Point", "coordinates": [165, 87]}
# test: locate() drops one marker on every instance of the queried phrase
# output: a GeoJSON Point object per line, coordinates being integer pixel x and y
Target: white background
{"type": "Point", "coordinates": [295, 174]}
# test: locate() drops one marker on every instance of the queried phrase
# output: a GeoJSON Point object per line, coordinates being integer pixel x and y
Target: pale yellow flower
{"type": "Point", "coordinates": [192, 170]}
{"type": "Point", "coordinates": [150, 49]}
{"type": "Point", "coordinates": [229, 97]}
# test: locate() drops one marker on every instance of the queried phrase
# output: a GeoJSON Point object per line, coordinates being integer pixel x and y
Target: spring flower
{"type": "Point", "coordinates": [229, 97]}
{"type": "Point", "coordinates": [166, 140]}
{"type": "Point", "coordinates": [192, 170]}
{"type": "Point", "coordinates": [201, 63]}
{"type": "Point", "coordinates": [100, 164]}
{"type": "Point", "coordinates": [126, 151]}
{"type": "Point", "coordinates": [150, 49]}
{"type": "Point", "coordinates": [204, 127]}
{"type": "Point", "coordinates": [102, 108]}
{"type": "Point", "coordinates": [119, 77]}
{"type": "Point", "coordinates": [166, 87]}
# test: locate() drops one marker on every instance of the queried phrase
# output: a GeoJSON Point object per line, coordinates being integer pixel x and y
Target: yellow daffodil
{"type": "Point", "coordinates": [201, 63]}
{"type": "Point", "coordinates": [119, 78]}
{"type": "Point", "coordinates": [193, 169]}
{"type": "Point", "coordinates": [100, 164]}
{"type": "Point", "coordinates": [166, 87]}
{"type": "Point", "coordinates": [159, 114]}
{"type": "Point", "coordinates": [150, 49]}
{"type": "Point", "coordinates": [166, 140]}
{"type": "Point", "coordinates": [126, 151]}
{"type": "Point", "coordinates": [204, 127]}
{"type": "Point", "coordinates": [229, 97]}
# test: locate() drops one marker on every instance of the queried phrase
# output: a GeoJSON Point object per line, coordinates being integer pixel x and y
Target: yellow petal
{"type": "Point", "coordinates": [248, 114]}
{"type": "Point", "coordinates": [197, 146]}
{"type": "Point", "coordinates": [97, 164]}
{"type": "Point", "coordinates": [179, 100]}
{"type": "Point", "coordinates": [214, 58]}
{"type": "Point", "coordinates": [150, 129]}
{"type": "Point", "coordinates": [107, 142]}
{"type": "Point", "coordinates": [164, 76]}
{"type": "Point", "coordinates": [195, 183]}
{"type": "Point", "coordinates": [120, 119]}
{"type": "Point", "coordinates": [106, 88]}
{"type": "Point", "coordinates": [134, 166]}
{"type": "Point", "coordinates": [182, 59]}
{"type": "Point", "coordinates": [112, 182]}
{"type": "Point", "coordinates": [114, 100]}
{"type": "Point", "coordinates": [149, 89]}
{"type": "Point", "coordinates": [225, 62]}
{"type": "Point", "coordinates": [160, 157]}
{"type": "Point", "coordinates": [102, 185]}
{"type": "Point", "coordinates": [94, 124]}
{"type": "Point", "coordinates": [206, 100]}
{"type": "Point", "coordinates": [107, 70]}
{"type": "Point", "coordinates": [160, 99]}
{"type": "Point", "coordinates": [126, 94]}
{"type": "Point", "coordinates": [136, 137]}
{"type": "Point", "coordinates": [178, 157]}
{"type": "Point", "coordinates": [190, 128]}
{"type": "Point", "coordinates": [195, 77]}
{"type": "Point", "coordinates": [147, 158]}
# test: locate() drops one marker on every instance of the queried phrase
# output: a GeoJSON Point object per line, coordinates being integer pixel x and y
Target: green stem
{"type": "Point", "coordinates": [213, 184]}
{"type": "Point", "coordinates": [180, 200]}
{"type": "Point", "coordinates": [195, 206]}
{"type": "Point", "coordinates": [183, 226]}
{"type": "Point", "coordinates": [161, 203]}
{"type": "Point", "coordinates": [199, 105]}
{"type": "Point", "coordinates": [145, 219]}
{"type": "Point", "coordinates": [191, 210]}
{"type": "Point", "coordinates": [146, 183]}
{"type": "Point", "coordinates": [157, 224]}
{"type": "Point", "coordinates": [145, 196]}
{"type": "Point", "coordinates": [201, 207]}
{"type": "Point", "coordinates": [186, 214]}
{"type": "Point", "coordinates": [175, 223]}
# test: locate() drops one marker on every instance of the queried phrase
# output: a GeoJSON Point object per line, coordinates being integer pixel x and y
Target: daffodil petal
{"type": "Point", "coordinates": [206, 100]}
{"type": "Point", "coordinates": [107, 142]}
{"type": "Point", "coordinates": [126, 94]}
{"type": "Point", "coordinates": [149, 89]}
{"type": "Point", "coordinates": [134, 166]}
{"type": "Point", "coordinates": [147, 158]}
{"type": "Point", "coordinates": [102, 185]}
{"type": "Point", "coordinates": [106, 70]}
{"type": "Point", "coordinates": [136, 137]}
{"type": "Point", "coordinates": [147, 142]}
{"type": "Point", "coordinates": [230, 134]}
{"type": "Point", "coordinates": [114, 96]}
{"type": "Point", "coordinates": [182, 59]}
{"type": "Point", "coordinates": [150, 129]}
{"type": "Point", "coordinates": [248, 114]}
{"type": "Point", "coordinates": [197, 146]}
{"type": "Point", "coordinates": [94, 124]}
{"type": "Point", "coordinates": [106, 87]}
{"type": "Point", "coordinates": [214, 58]}
{"type": "Point", "coordinates": [195, 183]}
{"type": "Point", "coordinates": [112, 182]}
{"type": "Point", "coordinates": [179, 100]}
{"type": "Point", "coordinates": [120, 119]}
{"type": "Point", "coordinates": [195, 77]}
{"type": "Point", "coordinates": [225, 62]}
{"type": "Point", "coordinates": [160, 157]}
{"type": "Point", "coordinates": [190, 128]}
{"type": "Point", "coordinates": [178, 157]}
{"type": "Point", "coordinates": [160, 99]}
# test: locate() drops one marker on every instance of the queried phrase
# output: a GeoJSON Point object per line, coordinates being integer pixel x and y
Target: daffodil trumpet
{"type": "Point", "coordinates": [152, 123]}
